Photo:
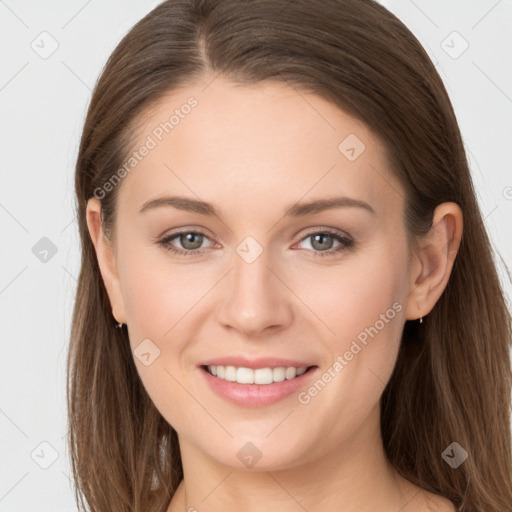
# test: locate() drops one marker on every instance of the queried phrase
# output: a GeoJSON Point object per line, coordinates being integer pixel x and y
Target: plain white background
{"type": "Point", "coordinates": [52, 54]}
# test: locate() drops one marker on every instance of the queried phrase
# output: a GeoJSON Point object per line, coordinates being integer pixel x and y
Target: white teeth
{"type": "Point", "coordinates": [230, 373]}
{"type": "Point", "coordinates": [259, 376]}
{"type": "Point", "coordinates": [291, 373]}
{"type": "Point", "coordinates": [245, 376]}
{"type": "Point", "coordinates": [278, 374]}
{"type": "Point", "coordinates": [263, 376]}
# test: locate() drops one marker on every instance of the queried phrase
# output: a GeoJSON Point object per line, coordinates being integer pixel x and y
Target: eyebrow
{"type": "Point", "coordinates": [296, 210]}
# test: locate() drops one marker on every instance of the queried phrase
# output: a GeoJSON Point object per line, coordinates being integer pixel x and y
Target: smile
{"type": "Point", "coordinates": [255, 376]}
{"type": "Point", "coordinates": [256, 387]}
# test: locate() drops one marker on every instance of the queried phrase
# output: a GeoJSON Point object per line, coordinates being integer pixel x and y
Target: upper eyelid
{"type": "Point", "coordinates": [331, 231]}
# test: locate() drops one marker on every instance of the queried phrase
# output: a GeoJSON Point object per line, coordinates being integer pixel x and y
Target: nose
{"type": "Point", "coordinates": [255, 301]}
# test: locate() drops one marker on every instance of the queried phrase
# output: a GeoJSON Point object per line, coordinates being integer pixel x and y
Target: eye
{"type": "Point", "coordinates": [190, 242]}
{"type": "Point", "coordinates": [323, 243]}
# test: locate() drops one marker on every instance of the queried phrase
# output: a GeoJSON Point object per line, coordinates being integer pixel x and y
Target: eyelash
{"type": "Point", "coordinates": [345, 243]}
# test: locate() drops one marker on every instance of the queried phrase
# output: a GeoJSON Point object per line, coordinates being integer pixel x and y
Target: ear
{"type": "Point", "coordinates": [106, 259]}
{"type": "Point", "coordinates": [433, 261]}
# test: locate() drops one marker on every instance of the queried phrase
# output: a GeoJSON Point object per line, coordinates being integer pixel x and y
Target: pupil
{"type": "Point", "coordinates": [194, 241]}
{"type": "Point", "coordinates": [322, 238]}
{"type": "Point", "coordinates": [188, 241]}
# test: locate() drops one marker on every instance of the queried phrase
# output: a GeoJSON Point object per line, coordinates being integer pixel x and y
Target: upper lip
{"type": "Point", "coordinates": [260, 362]}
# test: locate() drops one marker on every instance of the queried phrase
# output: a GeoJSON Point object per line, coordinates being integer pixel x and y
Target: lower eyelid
{"type": "Point", "coordinates": [166, 241]}
{"type": "Point", "coordinates": [342, 239]}
{"type": "Point", "coordinates": [345, 243]}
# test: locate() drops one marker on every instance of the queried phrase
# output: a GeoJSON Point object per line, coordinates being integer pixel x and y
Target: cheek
{"type": "Point", "coordinates": [162, 302]}
{"type": "Point", "coordinates": [159, 293]}
{"type": "Point", "coordinates": [362, 304]}
{"type": "Point", "coordinates": [356, 295]}
{"type": "Point", "coordinates": [353, 310]}
{"type": "Point", "coordinates": [156, 306]}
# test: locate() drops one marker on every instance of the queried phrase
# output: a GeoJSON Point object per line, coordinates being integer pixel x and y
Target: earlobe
{"type": "Point", "coordinates": [106, 258]}
{"type": "Point", "coordinates": [434, 260]}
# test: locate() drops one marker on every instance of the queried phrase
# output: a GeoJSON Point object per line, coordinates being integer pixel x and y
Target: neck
{"type": "Point", "coordinates": [353, 476]}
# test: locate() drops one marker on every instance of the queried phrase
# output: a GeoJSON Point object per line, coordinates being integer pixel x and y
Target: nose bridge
{"type": "Point", "coordinates": [254, 298]}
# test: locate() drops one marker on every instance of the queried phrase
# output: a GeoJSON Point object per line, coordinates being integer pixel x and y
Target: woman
{"type": "Point", "coordinates": [287, 295]}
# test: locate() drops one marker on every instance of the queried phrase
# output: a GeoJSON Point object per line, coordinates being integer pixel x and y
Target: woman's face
{"type": "Point", "coordinates": [268, 282]}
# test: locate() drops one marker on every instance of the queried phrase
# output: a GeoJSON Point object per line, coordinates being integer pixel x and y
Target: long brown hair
{"type": "Point", "coordinates": [452, 379]}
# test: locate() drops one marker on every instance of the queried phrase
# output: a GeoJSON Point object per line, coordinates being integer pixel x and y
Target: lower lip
{"type": "Point", "coordinates": [256, 395]}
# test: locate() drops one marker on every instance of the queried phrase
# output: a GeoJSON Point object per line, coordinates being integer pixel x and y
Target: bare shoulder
{"type": "Point", "coordinates": [421, 500]}
{"type": "Point", "coordinates": [436, 503]}
{"type": "Point", "coordinates": [424, 501]}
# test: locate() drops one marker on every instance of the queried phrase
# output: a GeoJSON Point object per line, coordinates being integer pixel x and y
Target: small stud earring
{"type": "Point", "coordinates": [421, 320]}
{"type": "Point", "coordinates": [118, 324]}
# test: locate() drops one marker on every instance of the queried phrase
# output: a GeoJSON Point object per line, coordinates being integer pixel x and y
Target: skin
{"type": "Point", "coordinates": [254, 151]}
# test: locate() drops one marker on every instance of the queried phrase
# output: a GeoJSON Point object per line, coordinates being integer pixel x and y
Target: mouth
{"type": "Point", "coordinates": [256, 382]}
{"type": "Point", "coordinates": [258, 376]}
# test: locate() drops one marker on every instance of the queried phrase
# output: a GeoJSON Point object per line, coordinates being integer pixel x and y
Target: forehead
{"type": "Point", "coordinates": [255, 145]}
